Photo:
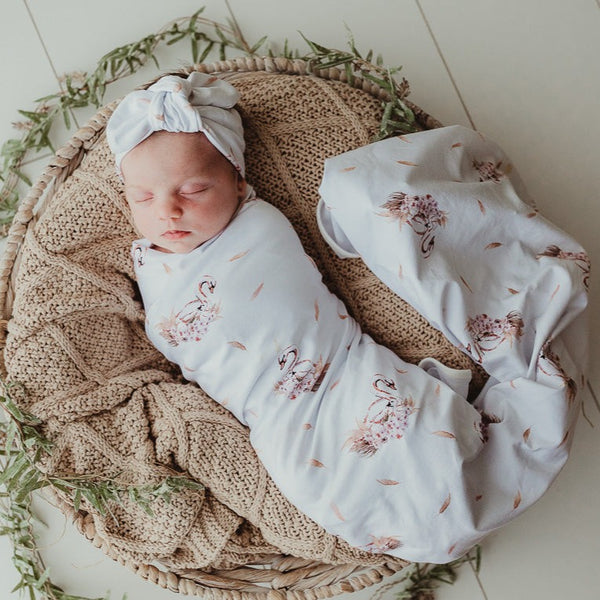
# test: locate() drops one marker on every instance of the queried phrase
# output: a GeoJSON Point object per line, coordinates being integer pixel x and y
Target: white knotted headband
{"type": "Point", "coordinates": [198, 103]}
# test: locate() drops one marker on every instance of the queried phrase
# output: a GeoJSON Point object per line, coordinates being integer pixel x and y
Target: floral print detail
{"type": "Point", "coordinates": [551, 361]}
{"type": "Point", "coordinates": [192, 321]}
{"type": "Point", "coordinates": [386, 418]}
{"type": "Point", "coordinates": [421, 213]}
{"type": "Point", "coordinates": [487, 333]}
{"type": "Point", "coordinates": [299, 375]}
{"type": "Point", "coordinates": [383, 544]}
{"type": "Point", "coordinates": [139, 255]}
{"type": "Point", "coordinates": [582, 260]}
{"type": "Point", "coordinates": [488, 171]}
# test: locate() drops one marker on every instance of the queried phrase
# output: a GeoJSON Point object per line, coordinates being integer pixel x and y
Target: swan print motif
{"type": "Point", "coordinates": [191, 323]}
{"type": "Point", "coordinates": [581, 259]}
{"type": "Point", "coordinates": [549, 364]}
{"type": "Point", "coordinates": [386, 418]}
{"type": "Point", "coordinates": [421, 213]}
{"type": "Point", "coordinates": [487, 333]}
{"type": "Point", "coordinates": [299, 376]}
{"type": "Point", "coordinates": [138, 254]}
{"type": "Point", "coordinates": [488, 170]}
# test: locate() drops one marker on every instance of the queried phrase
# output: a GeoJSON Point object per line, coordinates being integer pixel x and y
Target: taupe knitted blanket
{"type": "Point", "coordinates": [113, 405]}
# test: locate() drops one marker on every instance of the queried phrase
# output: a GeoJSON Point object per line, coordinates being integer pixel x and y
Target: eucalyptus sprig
{"type": "Point", "coordinates": [397, 116]}
{"type": "Point", "coordinates": [424, 579]}
{"type": "Point", "coordinates": [22, 450]}
{"type": "Point", "coordinates": [419, 581]}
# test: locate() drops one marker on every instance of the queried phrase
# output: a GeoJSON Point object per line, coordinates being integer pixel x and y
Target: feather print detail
{"type": "Point", "coordinates": [388, 482]}
{"type": "Point", "coordinates": [481, 207]}
{"type": "Point", "coordinates": [238, 256]}
{"type": "Point", "coordinates": [316, 311]}
{"type": "Point", "coordinates": [313, 462]}
{"type": "Point", "coordinates": [446, 504]}
{"type": "Point", "coordinates": [348, 169]}
{"type": "Point", "coordinates": [445, 434]}
{"type": "Point", "coordinates": [383, 544]}
{"type": "Point", "coordinates": [337, 512]}
{"type": "Point", "coordinates": [257, 291]}
{"type": "Point", "coordinates": [517, 500]}
{"type": "Point", "coordinates": [407, 163]}
{"type": "Point", "coordinates": [493, 245]}
{"type": "Point", "coordinates": [237, 345]}
{"type": "Point", "coordinates": [466, 284]}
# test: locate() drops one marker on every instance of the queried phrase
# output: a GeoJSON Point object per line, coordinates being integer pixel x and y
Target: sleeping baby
{"type": "Point", "coordinates": [387, 455]}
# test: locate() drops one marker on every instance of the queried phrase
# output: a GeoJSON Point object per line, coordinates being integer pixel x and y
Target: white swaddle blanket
{"type": "Point", "coordinates": [389, 456]}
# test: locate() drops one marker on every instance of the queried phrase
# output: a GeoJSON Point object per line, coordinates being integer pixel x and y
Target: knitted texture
{"type": "Point", "coordinates": [113, 405]}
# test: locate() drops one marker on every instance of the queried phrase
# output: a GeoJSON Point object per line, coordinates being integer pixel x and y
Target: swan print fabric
{"type": "Point", "coordinates": [388, 455]}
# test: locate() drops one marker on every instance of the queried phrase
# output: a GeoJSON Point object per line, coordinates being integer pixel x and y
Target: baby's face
{"type": "Point", "coordinates": [181, 190]}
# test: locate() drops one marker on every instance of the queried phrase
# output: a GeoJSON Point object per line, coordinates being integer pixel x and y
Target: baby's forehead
{"type": "Point", "coordinates": [177, 150]}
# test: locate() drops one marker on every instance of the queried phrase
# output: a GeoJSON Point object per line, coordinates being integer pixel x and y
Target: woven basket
{"type": "Point", "coordinates": [269, 88]}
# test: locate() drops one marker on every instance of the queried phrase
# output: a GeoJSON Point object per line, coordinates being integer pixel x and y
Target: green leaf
{"type": "Point", "coordinates": [316, 48]}
{"type": "Point", "coordinates": [15, 470]}
{"type": "Point", "coordinates": [334, 63]}
{"type": "Point", "coordinates": [206, 51]}
{"type": "Point", "coordinates": [258, 44]}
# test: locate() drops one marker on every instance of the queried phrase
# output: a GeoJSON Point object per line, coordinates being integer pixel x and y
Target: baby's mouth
{"type": "Point", "coordinates": [175, 234]}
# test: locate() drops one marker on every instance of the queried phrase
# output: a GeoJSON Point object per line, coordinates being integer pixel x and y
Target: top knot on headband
{"type": "Point", "coordinates": [199, 103]}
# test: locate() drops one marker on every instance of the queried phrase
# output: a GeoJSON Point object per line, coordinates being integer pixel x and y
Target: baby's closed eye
{"type": "Point", "coordinates": [194, 189]}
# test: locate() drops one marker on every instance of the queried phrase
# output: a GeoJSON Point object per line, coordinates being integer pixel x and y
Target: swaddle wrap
{"type": "Point", "coordinates": [198, 103]}
{"type": "Point", "coordinates": [380, 452]}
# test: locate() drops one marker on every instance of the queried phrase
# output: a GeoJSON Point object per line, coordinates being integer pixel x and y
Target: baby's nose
{"type": "Point", "coordinates": [169, 208]}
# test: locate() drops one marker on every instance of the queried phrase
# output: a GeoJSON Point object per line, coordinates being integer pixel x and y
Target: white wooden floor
{"type": "Point", "coordinates": [524, 72]}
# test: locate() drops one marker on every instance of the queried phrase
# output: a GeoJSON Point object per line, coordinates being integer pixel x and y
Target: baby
{"type": "Point", "coordinates": [389, 456]}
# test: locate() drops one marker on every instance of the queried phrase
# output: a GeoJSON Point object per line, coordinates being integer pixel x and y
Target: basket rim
{"type": "Point", "coordinates": [61, 165]}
